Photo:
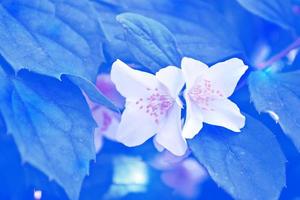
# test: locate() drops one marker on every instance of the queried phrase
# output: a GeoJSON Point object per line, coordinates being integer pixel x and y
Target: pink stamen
{"type": "Point", "coordinates": [157, 104]}
{"type": "Point", "coordinates": [203, 92]}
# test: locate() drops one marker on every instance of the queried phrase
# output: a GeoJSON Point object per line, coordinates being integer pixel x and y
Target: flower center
{"type": "Point", "coordinates": [157, 104]}
{"type": "Point", "coordinates": [203, 93]}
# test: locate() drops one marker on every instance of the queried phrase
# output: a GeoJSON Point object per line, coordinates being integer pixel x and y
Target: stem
{"type": "Point", "coordinates": [280, 55]}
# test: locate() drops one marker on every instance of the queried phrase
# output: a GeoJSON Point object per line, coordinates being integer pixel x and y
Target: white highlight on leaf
{"type": "Point", "coordinates": [130, 176]}
{"type": "Point", "coordinates": [130, 170]}
{"type": "Point", "coordinates": [152, 108]}
{"type": "Point", "coordinates": [207, 92]}
{"type": "Point", "coordinates": [292, 55]}
{"type": "Point", "coordinates": [273, 115]}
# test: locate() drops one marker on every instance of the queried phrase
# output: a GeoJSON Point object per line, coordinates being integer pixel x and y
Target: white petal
{"type": "Point", "coordinates": [112, 129]}
{"type": "Point", "coordinates": [107, 121]}
{"type": "Point", "coordinates": [135, 127]}
{"type": "Point", "coordinates": [98, 139]}
{"type": "Point", "coordinates": [169, 135]}
{"type": "Point", "coordinates": [227, 74]}
{"type": "Point", "coordinates": [194, 119]}
{"type": "Point", "coordinates": [131, 83]}
{"type": "Point", "coordinates": [192, 69]}
{"type": "Point", "coordinates": [157, 145]}
{"type": "Point", "coordinates": [172, 78]}
{"type": "Point", "coordinates": [225, 113]}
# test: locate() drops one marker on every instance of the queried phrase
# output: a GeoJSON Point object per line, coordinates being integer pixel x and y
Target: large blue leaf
{"type": "Point", "coordinates": [51, 125]}
{"type": "Point", "coordinates": [248, 165]}
{"type": "Point", "coordinates": [151, 43]}
{"type": "Point", "coordinates": [204, 35]}
{"type": "Point", "coordinates": [279, 95]}
{"type": "Point", "coordinates": [54, 38]}
{"type": "Point", "coordinates": [277, 11]}
{"type": "Point", "coordinates": [51, 37]}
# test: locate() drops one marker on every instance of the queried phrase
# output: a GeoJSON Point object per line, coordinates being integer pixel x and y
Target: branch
{"type": "Point", "coordinates": [280, 55]}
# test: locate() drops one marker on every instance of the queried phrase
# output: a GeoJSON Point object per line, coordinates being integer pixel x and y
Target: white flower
{"type": "Point", "coordinates": [207, 92]}
{"type": "Point", "coordinates": [152, 107]}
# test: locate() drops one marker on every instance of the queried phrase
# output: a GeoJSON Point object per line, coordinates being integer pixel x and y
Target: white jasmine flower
{"type": "Point", "coordinates": [207, 92]}
{"type": "Point", "coordinates": [152, 106]}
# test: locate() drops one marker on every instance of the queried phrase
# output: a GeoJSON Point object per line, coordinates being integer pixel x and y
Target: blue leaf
{"type": "Point", "coordinates": [279, 95]}
{"type": "Point", "coordinates": [248, 165]}
{"type": "Point", "coordinates": [54, 38]}
{"type": "Point", "coordinates": [197, 35]}
{"type": "Point", "coordinates": [276, 11]}
{"type": "Point", "coordinates": [51, 37]}
{"type": "Point", "coordinates": [93, 93]}
{"type": "Point", "coordinates": [51, 125]}
{"type": "Point", "coordinates": [151, 43]}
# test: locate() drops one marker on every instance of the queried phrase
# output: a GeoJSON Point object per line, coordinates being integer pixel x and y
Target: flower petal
{"type": "Point", "coordinates": [135, 127]}
{"type": "Point", "coordinates": [157, 145]}
{"type": "Point", "coordinates": [227, 74]}
{"type": "Point", "coordinates": [192, 69]}
{"type": "Point", "coordinates": [172, 78]}
{"type": "Point", "coordinates": [169, 135]}
{"type": "Point", "coordinates": [132, 83]}
{"type": "Point", "coordinates": [194, 119]}
{"type": "Point", "coordinates": [98, 139]}
{"type": "Point", "coordinates": [225, 113]}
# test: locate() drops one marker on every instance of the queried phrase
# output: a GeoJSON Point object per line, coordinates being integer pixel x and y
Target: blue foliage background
{"type": "Point", "coordinates": [51, 50]}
